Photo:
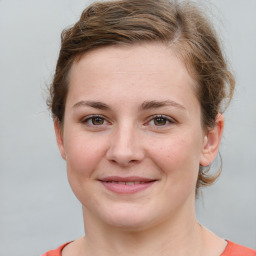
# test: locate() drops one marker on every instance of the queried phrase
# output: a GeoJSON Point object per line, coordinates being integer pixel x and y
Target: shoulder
{"type": "Point", "coordinates": [56, 252]}
{"type": "Point", "coordinates": [233, 249]}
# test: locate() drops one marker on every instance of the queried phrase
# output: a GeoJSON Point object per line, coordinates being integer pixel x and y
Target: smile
{"type": "Point", "coordinates": [126, 185]}
{"type": "Point", "coordinates": [129, 183]}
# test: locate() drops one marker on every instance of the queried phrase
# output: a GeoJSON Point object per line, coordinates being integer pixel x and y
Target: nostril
{"type": "Point", "coordinates": [123, 162]}
{"type": "Point", "coordinates": [125, 154]}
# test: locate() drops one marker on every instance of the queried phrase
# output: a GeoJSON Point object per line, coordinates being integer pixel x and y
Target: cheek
{"type": "Point", "coordinates": [178, 157]}
{"type": "Point", "coordinates": [83, 154]}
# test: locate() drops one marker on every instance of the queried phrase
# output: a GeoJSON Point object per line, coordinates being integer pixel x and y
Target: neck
{"type": "Point", "coordinates": [179, 235]}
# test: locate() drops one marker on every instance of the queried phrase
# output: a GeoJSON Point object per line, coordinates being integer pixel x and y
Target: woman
{"type": "Point", "coordinates": [137, 100]}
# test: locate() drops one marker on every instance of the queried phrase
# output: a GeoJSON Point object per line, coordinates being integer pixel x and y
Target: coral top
{"type": "Point", "coordinates": [231, 249]}
{"type": "Point", "coordinates": [56, 252]}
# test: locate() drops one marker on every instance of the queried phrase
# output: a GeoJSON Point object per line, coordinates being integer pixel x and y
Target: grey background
{"type": "Point", "coordinates": [38, 211]}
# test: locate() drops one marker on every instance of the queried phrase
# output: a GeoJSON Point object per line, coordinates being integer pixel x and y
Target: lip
{"type": "Point", "coordinates": [119, 184]}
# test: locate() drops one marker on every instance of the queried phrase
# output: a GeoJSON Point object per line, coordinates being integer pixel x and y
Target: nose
{"type": "Point", "coordinates": [125, 147]}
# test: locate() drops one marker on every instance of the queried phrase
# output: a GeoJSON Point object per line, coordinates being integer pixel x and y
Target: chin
{"type": "Point", "coordinates": [129, 218]}
{"type": "Point", "coordinates": [128, 223]}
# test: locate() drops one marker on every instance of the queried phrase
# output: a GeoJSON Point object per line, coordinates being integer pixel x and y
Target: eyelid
{"type": "Point", "coordinates": [85, 119]}
{"type": "Point", "coordinates": [168, 118]}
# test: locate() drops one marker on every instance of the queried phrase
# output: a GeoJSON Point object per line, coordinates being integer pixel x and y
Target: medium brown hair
{"type": "Point", "coordinates": [181, 25]}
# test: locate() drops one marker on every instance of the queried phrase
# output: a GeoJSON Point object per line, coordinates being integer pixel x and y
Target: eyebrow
{"type": "Point", "coordinates": [92, 104]}
{"type": "Point", "coordinates": [146, 105]}
{"type": "Point", "coordinates": [158, 104]}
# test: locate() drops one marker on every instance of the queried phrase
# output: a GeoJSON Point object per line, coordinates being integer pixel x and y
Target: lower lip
{"type": "Point", "coordinates": [126, 189]}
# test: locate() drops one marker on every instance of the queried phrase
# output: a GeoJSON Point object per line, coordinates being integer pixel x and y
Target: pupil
{"type": "Point", "coordinates": [97, 120]}
{"type": "Point", "coordinates": [160, 121]}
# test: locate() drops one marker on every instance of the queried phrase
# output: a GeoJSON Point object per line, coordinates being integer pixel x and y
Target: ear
{"type": "Point", "coordinates": [59, 137]}
{"type": "Point", "coordinates": [212, 142]}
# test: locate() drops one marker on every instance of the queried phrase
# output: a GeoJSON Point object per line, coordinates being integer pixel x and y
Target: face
{"type": "Point", "coordinates": [132, 136]}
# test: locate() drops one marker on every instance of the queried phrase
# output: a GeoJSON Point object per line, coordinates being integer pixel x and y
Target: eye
{"type": "Point", "coordinates": [160, 120]}
{"type": "Point", "coordinates": [95, 120]}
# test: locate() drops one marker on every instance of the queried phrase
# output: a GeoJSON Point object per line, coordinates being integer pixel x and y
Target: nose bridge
{"type": "Point", "coordinates": [125, 146]}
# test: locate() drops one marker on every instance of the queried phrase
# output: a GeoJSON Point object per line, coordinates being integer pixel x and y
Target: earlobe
{"type": "Point", "coordinates": [212, 142]}
{"type": "Point", "coordinates": [59, 137]}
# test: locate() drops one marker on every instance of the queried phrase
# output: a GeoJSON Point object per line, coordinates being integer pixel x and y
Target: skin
{"type": "Point", "coordinates": [148, 124]}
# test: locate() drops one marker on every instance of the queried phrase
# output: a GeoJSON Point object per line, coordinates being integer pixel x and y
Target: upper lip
{"type": "Point", "coordinates": [126, 179]}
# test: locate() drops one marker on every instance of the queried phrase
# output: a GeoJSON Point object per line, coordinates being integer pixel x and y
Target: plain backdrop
{"type": "Point", "coordinates": [38, 211]}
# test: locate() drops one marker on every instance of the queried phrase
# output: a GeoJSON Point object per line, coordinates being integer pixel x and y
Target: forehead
{"type": "Point", "coordinates": [149, 69]}
{"type": "Point", "coordinates": [132, 57]}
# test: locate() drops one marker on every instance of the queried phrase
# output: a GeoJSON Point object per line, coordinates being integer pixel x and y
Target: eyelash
{"type": "Point", "coordinates": [167, 121]}
{"type": "Point", "coordinates": [90, 118]}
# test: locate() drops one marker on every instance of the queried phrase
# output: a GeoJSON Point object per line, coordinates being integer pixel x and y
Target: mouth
{"type": "Point", "coordinates": [126, 185]}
